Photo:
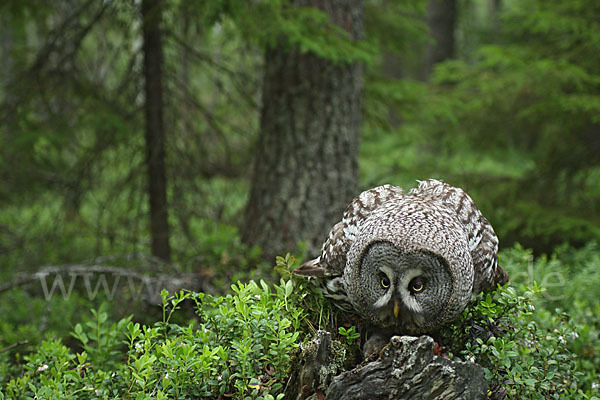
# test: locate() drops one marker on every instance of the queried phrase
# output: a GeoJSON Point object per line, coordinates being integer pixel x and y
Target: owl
{"type": "Point", "coordinates": [410, 262]}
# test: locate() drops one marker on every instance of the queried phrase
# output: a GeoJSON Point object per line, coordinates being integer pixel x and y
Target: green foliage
{"type": "Point", "coordinates": [352, 337]}
{"type": "Point", "coordinates": [279, 23]}
{"type": "Point", "coordinates": [241, 347]}
{"type": "Point", "coordinates": [102, 339]}
{"type": "Point", "coordinates": [536, 342]}
{"type": "Point", "coordinates": [72, 161]}
{"type": "Point", "coordinates": [521, 357]}
{"type": "Point", "coordinates": [31, 318]}
{"type": "Point", "coordinates": [284, 266]}
{"type": "Point", "coordinates": [532, 342]}
{"type": "Point", "coordinates": [513, 119]}
{"type": "Point", "coordinates": [262, 328]}
{"type": "Point", "coordinates": [571, 279]}
{"type": "Point", "coordinates": [72, 123]}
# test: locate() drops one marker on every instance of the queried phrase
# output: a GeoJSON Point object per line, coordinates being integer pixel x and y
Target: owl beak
{"type": "Point", "coordinates": [396, 308]}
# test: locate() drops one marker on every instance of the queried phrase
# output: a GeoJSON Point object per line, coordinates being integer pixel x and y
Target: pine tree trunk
{"type": "Point", "coordinates": [306, 160]}
{"type": "Point", "coordinates": [495, 8]}
{"type": "Point", "coordinates": [441, 19]}
{"type": "Point", "coordinates": [155, 137]}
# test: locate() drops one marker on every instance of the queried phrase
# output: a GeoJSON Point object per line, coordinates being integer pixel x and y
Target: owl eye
{"type": "Point", "coordinates": [385, 282]}
{"type": "Point", "coordinates": [416, 285]}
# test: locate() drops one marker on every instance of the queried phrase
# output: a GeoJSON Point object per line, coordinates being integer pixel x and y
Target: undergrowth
{"type": "Point", "coordinates": [531, 343]}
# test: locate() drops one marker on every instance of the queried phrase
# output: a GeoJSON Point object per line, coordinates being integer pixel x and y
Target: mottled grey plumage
{"type": "Point", "coordinates": [389, 244]}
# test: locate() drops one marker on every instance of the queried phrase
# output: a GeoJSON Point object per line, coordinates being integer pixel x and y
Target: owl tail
{"type": "Point", "coordinates": [501, 277]}
{"type": "Point", "coordinates": [310, 268]}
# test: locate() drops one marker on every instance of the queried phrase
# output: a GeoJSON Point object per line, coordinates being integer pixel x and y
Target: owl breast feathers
{"type": "Point", "coordinates": [408, 261]}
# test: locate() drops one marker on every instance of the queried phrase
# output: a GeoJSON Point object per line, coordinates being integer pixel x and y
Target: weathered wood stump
{"type": "Point", "coordinates": [406, 368]}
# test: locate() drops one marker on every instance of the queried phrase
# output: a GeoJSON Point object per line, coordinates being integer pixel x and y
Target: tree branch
{"type": "Point", "coordinates": [172, 282]}
{"type": "Point", "coordinates": [12, 346]}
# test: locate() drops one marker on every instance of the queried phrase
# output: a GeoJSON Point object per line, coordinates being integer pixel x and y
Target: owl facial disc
{"type": "Point", "coordinates": [403, 290]}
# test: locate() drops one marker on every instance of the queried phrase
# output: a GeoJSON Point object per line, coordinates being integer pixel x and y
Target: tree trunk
{"type": "Point", "coordinates": [6, 43]}
{"type": "Point", "coordinates": [306, 160]}
{"type": "Point", "coordinates": [495, 8]}
{"type": "Point", "coordinates": [441, 19]}
{"type": "Point", "coordinates": [155, 137]}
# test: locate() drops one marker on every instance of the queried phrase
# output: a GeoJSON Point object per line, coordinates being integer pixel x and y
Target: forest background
{"type": "Point", "coordinates": [149, 134]}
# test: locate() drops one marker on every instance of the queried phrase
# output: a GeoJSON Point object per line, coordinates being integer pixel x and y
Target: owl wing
{"type": "Point", "coordinates": [332, 260]}
{"type": "Point", "coordinates": [483, 242]}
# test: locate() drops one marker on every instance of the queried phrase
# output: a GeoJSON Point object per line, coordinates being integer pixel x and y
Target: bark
{"type": "Point", "coordinates": [6, 44]}
{"type": "Point", "coordinates": [306, 160]}
{"type": "Point", "coordinates": [495, 8]}
{"type": "Point", "coordinates": [155, 135]}
{"type": "Point", "coordinates": [406, 368]}
{"type": "Point", "coordinates": [441, 19]}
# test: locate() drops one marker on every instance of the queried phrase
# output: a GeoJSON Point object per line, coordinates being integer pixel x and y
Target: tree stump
{"type": "Point", "coordinates": [406, 368]}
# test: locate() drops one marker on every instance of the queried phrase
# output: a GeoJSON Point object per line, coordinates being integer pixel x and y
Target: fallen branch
{"type": "Point", "coordinates": [156, 282]}
{"type": "Point", "coordinates": [12, 346]}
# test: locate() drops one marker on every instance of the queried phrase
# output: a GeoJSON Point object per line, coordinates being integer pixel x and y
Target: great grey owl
{"type": "Point", "coordinates": [410, 262]}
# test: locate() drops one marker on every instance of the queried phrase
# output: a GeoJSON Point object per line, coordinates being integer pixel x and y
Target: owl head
{"type": "Point", "coordinates": [406, 290]}
{"type": "Point", "coordinates": [412, 273]}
